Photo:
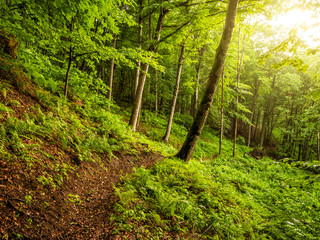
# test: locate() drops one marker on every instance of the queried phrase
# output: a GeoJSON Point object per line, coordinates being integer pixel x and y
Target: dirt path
{"type": "Point", "coordinates": [79, 209]}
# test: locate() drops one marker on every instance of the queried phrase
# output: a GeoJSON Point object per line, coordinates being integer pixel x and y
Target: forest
{"type": "Point", "coordinates": [159, 119]}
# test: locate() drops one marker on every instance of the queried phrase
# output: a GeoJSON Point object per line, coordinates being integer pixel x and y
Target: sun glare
{"type": "Point", "coordinates": [304, 21]}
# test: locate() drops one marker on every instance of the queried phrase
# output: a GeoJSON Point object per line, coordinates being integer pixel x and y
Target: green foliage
{"type": "Point", "coordinates": [230, 198]}
{"type": "Point", "coordinates": [74, 198]}
{"type": "Point", "coordinates": [28, 199]}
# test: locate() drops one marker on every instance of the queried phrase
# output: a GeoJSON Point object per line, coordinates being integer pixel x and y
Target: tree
{"type": "Point", "coordinates": [189, 145]}
{"type": "Point", "coordinates": [221, 113]}
{"type": "Point", "coordinates": [175, 94]}
{"type": "Point", "coordinates": [145, 67]}
{"type": "Point", "coordinates": [240, 61]}
{"type": "Point", "coordinates": [111, 70]}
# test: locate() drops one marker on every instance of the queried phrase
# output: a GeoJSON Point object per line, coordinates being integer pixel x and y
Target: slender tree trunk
{"type": "Point", "coordinates": [175, 95]}
{"type": "Point", "coordinates": [221, 115]}
{"type": "Point", "coordinates": [213, 81]}
{"type": "Point", "coordinates": [299, 154]}
{"type": "Point", "coordinates": [268, 109]}
{"type": "Point", "coordinates": [179, 108]}
{"type": "Point", "coordinates": [145, 67]}
{"type": "Point", "coordinates": [138, 97]}
{"type": "Point", "coordinates": [256, 125]}
{"type": "Point", "coordinates": [150, 23]}
{"type": "Point", "coordinates": [318, 145]}
{"type": "Point", "coordinates": [253, 111]}
{"type": "Point", "coordinates": [111, 70]}
{"type": "Point", "coordinates": [240, 61]}
{"type": "Point", "coordinates": [263, 130]}
{"type": "Point", "coordinates": [250, 128]}
{"type": "Point", "coordinates": [102, 71]}
{"type": "Point", "coordinates": [83, 66]}
{"type": "Point", "coordinates": [66, 82]}
{"type": "Point", "coordinates": [194, 105]}
{"type": "Point", "coordinates": [156, 102]}
{"type": "Point", "coordinates": [136, 82]}
{"type": "Point", "coordinates": [140, 47]}
{"type": "Point", "coordinates": [185, 107]}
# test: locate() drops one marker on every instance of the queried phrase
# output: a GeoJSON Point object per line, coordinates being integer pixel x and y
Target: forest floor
{"type": "Point", "coordinates": [46, 192]}
{"type": "Point", "coordinates": [65, 216]}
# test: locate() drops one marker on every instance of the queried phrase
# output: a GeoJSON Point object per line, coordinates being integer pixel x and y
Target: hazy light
{"type": "Point", "coordinates": [304, 21]}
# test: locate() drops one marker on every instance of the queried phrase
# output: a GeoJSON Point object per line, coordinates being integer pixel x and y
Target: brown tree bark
{"type": "Point", "coordinates": [83, 66]}
{"type": "Point", "coordinates": [268, 109]}
{"type": "Point", "coordinates": [257, 127]}
{"type": "Point", "coordinates": [221, 114]}
{"type": "Point", "coordinates": [195, 97]}
{"type": "Point", "coordinates": [102, 70]}
{"type": "Point", "coordinates": [145, 67]}
{"type": "Point", "coordinates": [112, 70]}
{"type": "Point", "coordinates": [318, 145]}
{"type": "Point", "coordinates": [136, 81]}
{"type": "Point", "coordinates": [175, 95]}
{"type": "Point", "coordinates": [189, 145]}
{"type": "Point", "coordinates": [255, 95]}
{"type": "Point", "coordinates": [156, 94]}
{"type": "Point", "coordinates": [138, 97]}
{"type": "Point", "coordinates": [240, 61]}
{"type": "Point", "coordinates": [66, 81]}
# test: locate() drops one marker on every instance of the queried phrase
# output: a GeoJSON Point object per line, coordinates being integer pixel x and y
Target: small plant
{"type": "Point", "coordinates": [74, 198]}
{"type": "Point", "coordinates": [28, 199]}
{"type": "Point", "coordinates": [48, 181]}
{"type": "Point", "coordinates": [4, 92]}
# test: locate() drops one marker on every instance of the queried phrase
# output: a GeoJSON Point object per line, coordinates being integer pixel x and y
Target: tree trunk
{"type": "Point", "coordinates": [318, 145]}
{"type": "Point", "coordinates": [195, 97]}
{"type": "Point", "coordinates": [111, 70]}
{"type": "Point", "coordinates": [140, 47]}
{"type": "Point", "coordinates": [250, 127]}
{"type": "Point", "coordinates": [255, 94]}
{"type": "Point", "coordinates": [83, 66]}
{"type": "Point", "coordinates": [266, 113]}
{"type": "Point", "coordinates": [150, 23]}
{"type": "Point", "coordinates": [221, 116]}
{"type": "Point", "coordinates": [156, 94]}
{"type": "Point", "coordinates": [258, 115]}
{"type": "Point", "coordinates": [138, 96]}
{"type": "Point", "coordinates": [66, 82]}
{"type": "Point", "coordinates": [213, 81]}
{"type": "Point", "coordinates": [102, 70]}
{"type": "Point", "coordinates": [263, 130]}
{"type": "Point", "coordinates": [240, 61]}
{"type": "Point", "coordinates": [175, 95]}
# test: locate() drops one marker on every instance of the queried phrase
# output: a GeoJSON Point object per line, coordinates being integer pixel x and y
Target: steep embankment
{"type": "Point", "coordinates": [58, 163]}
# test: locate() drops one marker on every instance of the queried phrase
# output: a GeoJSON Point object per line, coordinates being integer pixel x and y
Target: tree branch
{"type": "Point", "coordinates": [82, 54]}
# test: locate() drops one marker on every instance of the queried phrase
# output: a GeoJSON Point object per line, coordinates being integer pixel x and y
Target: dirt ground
{"type": "Point", "coordinates": [79, 208]}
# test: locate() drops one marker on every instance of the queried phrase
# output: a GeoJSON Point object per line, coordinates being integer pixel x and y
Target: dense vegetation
{"type": "Point", "coordinates": [98, 97]}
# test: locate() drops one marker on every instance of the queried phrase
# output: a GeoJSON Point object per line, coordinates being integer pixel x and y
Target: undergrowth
{"type": "Point", "coordinates": [220, 198]}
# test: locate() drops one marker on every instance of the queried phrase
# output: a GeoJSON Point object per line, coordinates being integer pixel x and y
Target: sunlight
{"type": "Point", "coordinates": [304, 21]}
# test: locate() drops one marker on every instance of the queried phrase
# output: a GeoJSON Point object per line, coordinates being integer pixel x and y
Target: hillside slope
{"type": "Point", "coordinates": [58, 167]}
{"type": "Point", "coordinates": [65, 171]}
